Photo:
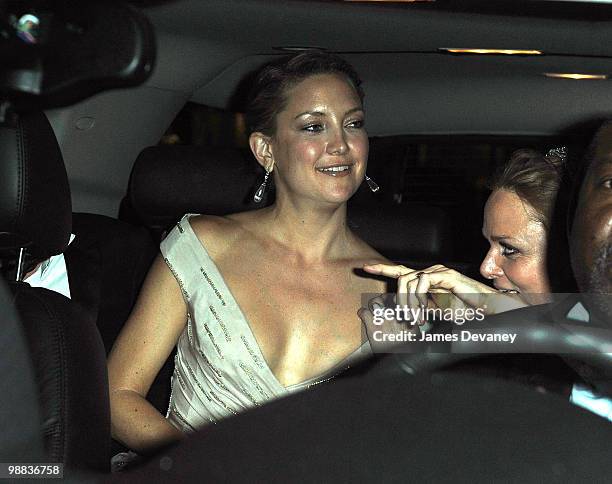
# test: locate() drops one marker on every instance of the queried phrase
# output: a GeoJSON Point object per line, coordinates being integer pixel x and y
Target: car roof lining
{"type": "Point", "coordinates": [215, 44]}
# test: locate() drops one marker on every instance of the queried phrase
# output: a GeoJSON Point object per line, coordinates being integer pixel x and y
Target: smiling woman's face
{"type": "Point", "coordinates": [320, 146]}
{"type": "Point", "coordinates": [516, 259]}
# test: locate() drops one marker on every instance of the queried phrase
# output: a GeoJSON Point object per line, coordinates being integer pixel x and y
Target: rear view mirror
{"type": "Point", "coordinates": [57, 53]}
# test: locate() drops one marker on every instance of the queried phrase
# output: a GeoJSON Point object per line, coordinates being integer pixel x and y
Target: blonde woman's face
{"type": "Point", "coordinates": [320, 146]}
{"type": "Point", "coordinates": [516, 260]}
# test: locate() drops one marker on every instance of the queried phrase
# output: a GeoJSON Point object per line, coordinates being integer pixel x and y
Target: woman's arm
{"type": "Point", "coordinates": [142, 347]}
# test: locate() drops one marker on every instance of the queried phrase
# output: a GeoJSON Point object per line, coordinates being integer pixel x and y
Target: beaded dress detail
{"type": "Point", "coordinates": [219, 367]}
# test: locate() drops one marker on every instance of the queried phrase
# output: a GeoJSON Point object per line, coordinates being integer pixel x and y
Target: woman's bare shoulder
{"type": "Point", "coordinates": [214, 231]}
{"type": "Point", "coordinates": [219, 232]}
{"type": "Point", "coordinates": [210, 225]}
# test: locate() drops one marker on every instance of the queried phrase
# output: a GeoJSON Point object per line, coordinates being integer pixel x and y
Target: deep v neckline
{"type": "Point", "coordinates": [248, 330]}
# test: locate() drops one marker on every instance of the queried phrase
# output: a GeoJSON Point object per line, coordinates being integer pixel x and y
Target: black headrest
{"type": "Point", "coordinates": [403, 232]}
{"type": "Point", "coordinates": [168, 181]}
{"type": "Point", "coordinates": [35, 206]}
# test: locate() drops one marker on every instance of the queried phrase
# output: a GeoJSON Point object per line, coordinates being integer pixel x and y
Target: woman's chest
{"type": "Point", "coordinates": [304, 321]}
{"type": "Point", "coordinates": [290, 301]}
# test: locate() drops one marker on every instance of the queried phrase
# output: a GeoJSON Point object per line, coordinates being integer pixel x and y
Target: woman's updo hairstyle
{"type": "Point", "coordinates": [535, 178]}
{"type": "Point", "coordinates": [268, 94]}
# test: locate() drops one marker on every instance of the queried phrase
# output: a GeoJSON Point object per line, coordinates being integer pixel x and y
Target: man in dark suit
{"type": "Point", "coordinates": [591, 254]}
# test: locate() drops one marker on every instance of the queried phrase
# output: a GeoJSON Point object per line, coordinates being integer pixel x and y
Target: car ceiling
{"type": "Point", "coordinates": [411, 87]}
{"type": "Point", "coordinates": [206, 47]}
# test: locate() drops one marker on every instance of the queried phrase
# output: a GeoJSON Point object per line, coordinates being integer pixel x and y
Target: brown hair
{"type": "Point", "coordinates": [535, 178]}
{"type": "Point", "coordinates": [543, 182]}
{"type": "Point", "coordinates": [267, 96]}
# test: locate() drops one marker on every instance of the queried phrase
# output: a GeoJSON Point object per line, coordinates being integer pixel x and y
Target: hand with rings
{"type": "Point", "coordinates": [440, 286]}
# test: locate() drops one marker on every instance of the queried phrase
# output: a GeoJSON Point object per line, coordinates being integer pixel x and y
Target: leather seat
{"type": "Point", "coordinates": [67, 352]}
{"type": "Point", "coordinates": [21, 438]}
{"type": "Point", "coordinates": [169, 181]}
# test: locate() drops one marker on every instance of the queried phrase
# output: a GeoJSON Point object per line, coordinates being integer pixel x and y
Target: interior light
{"type": "Point", "coordinates": [453, 50]}
{"type": "Point", "coordinates": [564, 75]}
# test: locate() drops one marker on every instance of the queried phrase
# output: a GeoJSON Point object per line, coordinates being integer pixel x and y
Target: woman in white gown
{"type": "Point", "coordinates": [265, 302]}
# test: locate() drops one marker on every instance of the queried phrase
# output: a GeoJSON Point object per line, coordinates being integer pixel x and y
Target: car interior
{"type": "Point", "coordinates": [118, 117]}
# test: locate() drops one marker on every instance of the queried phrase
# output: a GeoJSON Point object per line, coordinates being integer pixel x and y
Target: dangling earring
{"type": "Point", "coordinates": [372, 184]}
{"type": "Point", "coordinates": [258, 197]}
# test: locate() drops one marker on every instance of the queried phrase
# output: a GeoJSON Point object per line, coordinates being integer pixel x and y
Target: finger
{"type": "Point", "coordinates": [366, 317]}
{"type": "Point", "coordinates": [402, 290]}
{"type": "Point", "coordinates": [433, 301]}
{"type": "Point", "coordinates": [413, 301]}
{"type": "Point", "coordinates": [418, 298]}
{"type": "Point", "coordinates": [436, 268]}
{"type": "Point", "coordinates": [444, 278]}
{"type": "Point", "coordinates": [387, 270]}
{"type": "Point", "coordinates": [439, 298]}
{"type": "Point", "coordinates": [376, 303]}
{"type": "Point", "coordinates": [422, 288]}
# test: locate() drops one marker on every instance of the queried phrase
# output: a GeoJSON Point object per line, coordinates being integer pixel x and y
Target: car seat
{"type": "Point", "coordinates": [21, 437]}
{"type": "Point", "coordinates": [169, 181]}
{"type": "Point", "coordinates": [65, 346]}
